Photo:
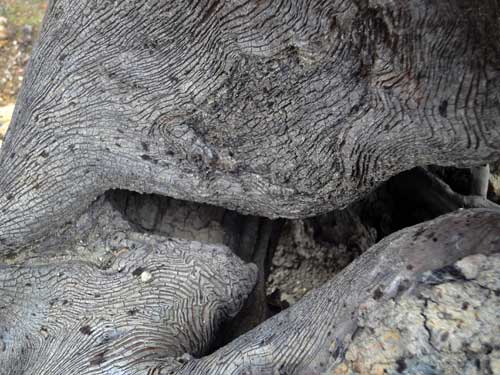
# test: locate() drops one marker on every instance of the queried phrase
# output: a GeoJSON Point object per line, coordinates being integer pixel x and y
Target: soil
{"type": "Point", "coordinates": [19, 25]}
{"type": "Point", "coordinates": [14, 55]}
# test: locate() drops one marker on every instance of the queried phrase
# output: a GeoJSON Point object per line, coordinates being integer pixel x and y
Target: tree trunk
{"type": "Point", "coordinates": [314, 335]}
{"type": "Point", "coordinates": [276, 109]}
{"type": "Point", "coordinates": [153, 305]}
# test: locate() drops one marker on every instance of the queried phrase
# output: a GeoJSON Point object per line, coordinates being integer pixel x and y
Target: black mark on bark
{"type": "Point", "coordinates": [86, 330]}
{"type": "Point", "coordinates": [443, 109]}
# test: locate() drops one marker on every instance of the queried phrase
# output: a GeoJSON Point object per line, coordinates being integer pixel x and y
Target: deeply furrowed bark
{"type": "Point", "coordinates": [288, 108]}
{"type": "Point", "coordinates": [159, 304]}
{"type": "Point", "coordinates": [281, 109]}
{"type": "Point", "coordinates": [117, 301]}
{"type": "Point", "coordinates": [252, 238]}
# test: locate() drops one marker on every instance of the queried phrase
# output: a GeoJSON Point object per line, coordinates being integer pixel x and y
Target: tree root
{"type": "Point", "coordinates": [154, 307]}
{"type": "Point", "coordinates": [144, 299]}
{"type": "Point", "coordinates": [437, 195]}
{"type": "Point", "coordinates": [314, 335]}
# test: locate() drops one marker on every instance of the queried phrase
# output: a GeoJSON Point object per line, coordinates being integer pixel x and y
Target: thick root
{"type": "Point", "coordinates": [314, 336]}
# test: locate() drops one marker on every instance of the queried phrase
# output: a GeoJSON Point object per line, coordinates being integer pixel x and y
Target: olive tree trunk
{"type": "Point", "coordinates": [153, 305]}
{"type": "Point", "coordinates": [270, 108]}
{"type": "Point", "coordinates": [279, 109]}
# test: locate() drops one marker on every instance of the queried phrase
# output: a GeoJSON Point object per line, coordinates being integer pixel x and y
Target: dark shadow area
{"type": "Point", "coordinates": [311, 251]}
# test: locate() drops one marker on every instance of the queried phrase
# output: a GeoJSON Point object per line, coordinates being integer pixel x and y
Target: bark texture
{"type": "Point", "coordinates": [313, 336]}
{"type": "Point", "coordinates": [154, 308]}
{"type": "Point", "coordinates": [251, 238]}
{"type": "Point", "coordinates": [275, 108]}
{"type": "Point", "coordinates": [116, 301]}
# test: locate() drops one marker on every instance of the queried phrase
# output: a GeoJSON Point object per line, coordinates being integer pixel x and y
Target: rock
{"type": "Point", "coordinates": [449, 328]}
{"type": "Point", "coordinates": [470, 266]}
{"type": "Point", "coordinates": [312, 251]}
{"type": "Point", "coordinates": [495, 362]}
{"type": "Point", "coordinates": [146, 277]}
{"type": "Point", "coordinates": [495, 183]}
{"type": "Point", "coordinates": [27, 37]}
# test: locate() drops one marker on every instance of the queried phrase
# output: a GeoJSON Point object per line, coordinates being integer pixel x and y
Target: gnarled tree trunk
{"type": "Point", "coordinates": [157, 303]}
{"type": "Point", "coordinates": [272, 108]}
{"type": "Point", "coordinates": [278, 109]}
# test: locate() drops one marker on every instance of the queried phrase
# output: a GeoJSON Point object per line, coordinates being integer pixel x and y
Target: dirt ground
{"type": "Point", "coordinates": [311, 251]}
{"type": "Point", "coordinates": [20, 22]}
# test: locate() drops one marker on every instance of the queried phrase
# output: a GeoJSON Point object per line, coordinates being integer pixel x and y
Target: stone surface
{"type": "Point", "coordinates": [448, 328]}
{"type": "Point", "coordinates": [311, 251]}
{"type": "Point", "coordinates": [4, 32]}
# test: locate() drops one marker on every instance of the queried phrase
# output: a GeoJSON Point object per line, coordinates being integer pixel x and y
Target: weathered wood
{"type": "Point", "coordinates": [251, 238]}
{"type": "Point", "coordinates": [313, 336]}
{"type": "Point", "coordinates": [276, 108]}
{"type": "Point", "coordinates": [157, 305]}
{"type": "Point", "coordinates": [117, 301]}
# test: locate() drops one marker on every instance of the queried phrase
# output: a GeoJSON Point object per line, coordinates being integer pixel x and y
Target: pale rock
{"type": "Point", "coordinates": [146, 277]}
{"type": "Point", "coordinates": [495, 362]}
{"type": "Point", "coordinates": [470, 266]}
{"type": "Point", "coordinates": [4, 32]}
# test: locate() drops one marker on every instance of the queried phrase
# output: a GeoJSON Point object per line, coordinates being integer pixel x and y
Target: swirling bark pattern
{"type": "Point", "coordinates": [276, 108]}
{"type": "Point", "coordinates": [158, 301]}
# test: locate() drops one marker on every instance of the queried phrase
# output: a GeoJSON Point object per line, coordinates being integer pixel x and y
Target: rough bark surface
{"type": "Point", "coordinates": [252, 238]}
{"type": "Point", "coordinates": [276, 108]}
{"type": "Point", "coordinates": [312, 337]}
{"type": "Point", "coordinates": [131, 318]}
{"type": "Point", "coordinates": [117, 301]}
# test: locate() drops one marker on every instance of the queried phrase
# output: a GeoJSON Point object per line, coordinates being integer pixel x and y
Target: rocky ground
{"type": "Point", "coordinates": [311, 251]}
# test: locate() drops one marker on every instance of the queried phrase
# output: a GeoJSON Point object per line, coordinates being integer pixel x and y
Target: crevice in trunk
{"type": "Point", "coordinates": [251, 238]}
{"type": "Point", "coordinates": [292, 256]}
{"type": "Point", "coordinates": [311, 251]}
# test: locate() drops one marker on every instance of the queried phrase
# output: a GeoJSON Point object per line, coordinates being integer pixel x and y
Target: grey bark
{"type": "Point", "coordinates": [251, 238]}
{"type": "Point", "coordinates": [280, 109]}
{"type": "Point", "coordinates": [116, 301]}
{"type": "Point", "coordinates": [313, 336]}
{"type": "Point", "coordinates": [481, 179]}
{"type": "Point", "coordinates": [153, 305]}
